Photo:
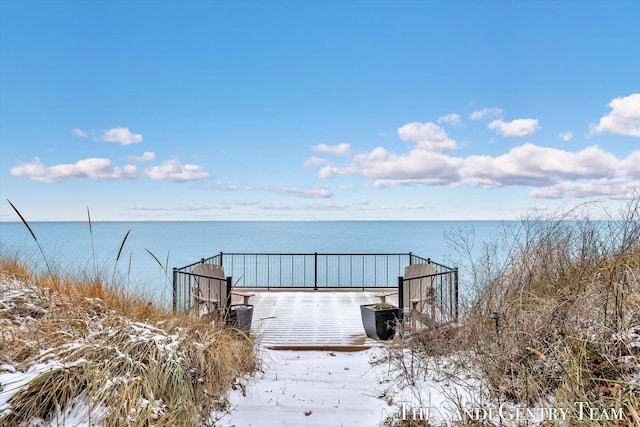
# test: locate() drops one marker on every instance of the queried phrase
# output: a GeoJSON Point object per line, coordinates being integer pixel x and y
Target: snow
{"type": "Point", "coordinates": [12, 380]}
{"type": "Point", "coordinates": [324, 388]}
{"type": "Point", "coordinates": [310, 388]}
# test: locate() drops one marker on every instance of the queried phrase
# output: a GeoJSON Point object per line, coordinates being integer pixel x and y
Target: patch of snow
{"type": "Point", "coordinates": [79, 413]}
{"type": "Point", "coordinates": [13, 382]}
{"type": "Point", "coordinates": [310, 388]}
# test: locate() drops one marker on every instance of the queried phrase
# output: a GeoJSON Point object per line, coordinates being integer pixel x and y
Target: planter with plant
{"type": "Point", "coordinates": [240, 317]}
{"type": "Point", "coordinates": [380, 320]}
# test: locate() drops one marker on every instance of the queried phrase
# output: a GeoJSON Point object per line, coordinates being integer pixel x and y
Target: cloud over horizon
{"type": "Point", "coordinates": [486, 113]}
{"type": "Point", "coordinates": [334, 150]}
{"type": "Point", "coordinates": [306, 193]}
{"type": "Point", "coordinates": [147, 156]}
{"type": "Point", "coordinates": [120, 135]}
{"type": "Point", "coordinates": [518, 128]}
{"type": "Point", "coordinates": [93, 168]}
{"type": "Point", "coordinates": [427, 136]}
{"type": "Point", "coordinates": [450, 119]}
{"type": "Point", "coordinates": [175, 171]}
{"type": "Point", "coordinates": [623, 119]}
{"type": "Point", "coordinates": [555, 172]}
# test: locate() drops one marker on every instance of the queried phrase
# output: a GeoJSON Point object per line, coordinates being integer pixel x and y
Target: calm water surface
{"type": "Point", "coordinates": [72, 247]}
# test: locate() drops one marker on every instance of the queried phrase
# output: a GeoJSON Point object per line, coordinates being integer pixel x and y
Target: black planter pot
{"type": "Point", "coordinates": [380, 324]}
{"type": "Point", "coordinates": [240, 316]}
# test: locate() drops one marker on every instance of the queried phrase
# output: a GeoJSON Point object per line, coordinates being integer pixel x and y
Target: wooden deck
{"type": "Point", "coordinates": [312, 320]}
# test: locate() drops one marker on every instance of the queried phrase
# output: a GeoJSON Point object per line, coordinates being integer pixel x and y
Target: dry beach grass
{"type": "Point", "coordinates": [566, 289]}
{"type": "Point", "coordinates": [95, 354]}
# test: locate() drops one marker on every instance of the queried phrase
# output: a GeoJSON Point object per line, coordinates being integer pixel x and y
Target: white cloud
{"type": "Point", "coordinates": [427, 136]}
{"type": "Point", "coordinates": [450, 119]}
{"type": "Point", "coordinates": [565, 136]}
{"type": "Point", "coordinates": [623, 119]}
{"type": "Point", "coordinates": [329, 171]}
{"type": "Point", "coordinates": [307, 193]}
{"type": "Point", "coordinates": [616, 188]}
{"type": "Point", "coordinates": [309, 207]}
{"type": "Point", "coordinates": [276, 207]}
{"type": "Point", "coordinates": [631, 165]}
{"type": "Point", "coordinates": [314, 161]}
{"type": "Point", "coordinates": [330, 207]}
{"type": "Point", "coordinates": [417, 164]}
{"type": "Point", "coordinates": [335, 150]}
{"type": "Point", "coordinates": [530, 164]}
{"type": "Point", "coordinates": [147, 156]}
{"type": "Point", "coordinates": [227, 186]}
{"type": "Point", "coordinates": [405, 207]}
{"type": "Point", "coordinates": [93, 168]}
{"type": "Point", "coordinates": [79, 133]}
{"type": "Point", "coordinates": [391, 183]}
{"type": "Point", "coordinates": [173, 170]}
{"type": "Point", "coordinates": [120, 135]}
{"type": "Point", "coordinates": [388, 168]}
{"type": "Point", "coordinates": [591, 171]}
{"type": "Point", "coordinates": [518, 128]}
{"type": "Point", "coordinates": [486, 113]}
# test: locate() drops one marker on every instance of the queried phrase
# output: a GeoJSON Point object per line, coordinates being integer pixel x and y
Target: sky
{"type": "Point", "coordinates": [316, 110]}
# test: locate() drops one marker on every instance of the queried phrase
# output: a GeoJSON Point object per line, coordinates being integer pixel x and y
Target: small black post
{"type": "Point", "coordinates": [410, 258]}
{"type": "Point", "coordinates": [455, 282]}
{"type": "Point", "coordinates": [495, 316]}
{"type": "Point", "coordinates": [401, 292]}
{"type": "Point", "coordinates": [228, 301]}
{"type": "Point", "coordinates": [221, 259]}
{"type": "Point", "coordinates": [315, 271]}
{"type": "Point", "coordinates": [175, 290]}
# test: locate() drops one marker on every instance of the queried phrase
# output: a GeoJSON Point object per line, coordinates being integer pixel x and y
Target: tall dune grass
{"type": "Point", "coordinates": [126, 360]}
{"type": "Point", "coordinates": [566, 288]}
{"type": "Point", "coordinates": [94, 351]}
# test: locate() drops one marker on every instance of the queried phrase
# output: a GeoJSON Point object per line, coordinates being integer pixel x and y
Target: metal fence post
{"type": "Point", "coordinates": [401, 299]}
{"type": "Point", "coordinates": [455, 280]}
{"type": "Point", "coordinates": [315, 271]}
{"type": "Point", "coordinates": [228, 301]}
{"type": "Point", "coordinates": [221, 259]}
{"type": "Point", "coordinates": [175, 290]}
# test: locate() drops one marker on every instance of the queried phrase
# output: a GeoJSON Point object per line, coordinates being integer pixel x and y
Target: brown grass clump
{"type": "Point", "coordinates": [566, 289]}
{"type": "Point", "coordinates": [93, 352]}
{"type": "Point", "coordinates": [569, 307]}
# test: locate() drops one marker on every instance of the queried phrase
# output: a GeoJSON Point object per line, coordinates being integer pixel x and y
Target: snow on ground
{"type": "Point", "coordinates": [310, 388]}
{"type": "Point", "coordinates": [324, 388]}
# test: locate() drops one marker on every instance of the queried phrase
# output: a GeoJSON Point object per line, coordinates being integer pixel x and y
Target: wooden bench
{"type": "Point", "coordinates": [383, 296]}
{"type": "Point", "coordinates": [245, 296]}
{"type": "Point", "coordinates": [210, 291]}
{"type": "Point", "coordinates": [212, 303]}
{"type": "Point", "coordinates": [420, 291]}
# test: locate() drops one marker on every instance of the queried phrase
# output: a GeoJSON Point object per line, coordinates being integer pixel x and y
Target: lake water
{"type": "Point", "coordinates": [71, 246]}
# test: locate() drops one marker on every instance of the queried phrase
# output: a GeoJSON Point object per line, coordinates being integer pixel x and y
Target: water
{"type": "Point", "coordinates": [72, 247]}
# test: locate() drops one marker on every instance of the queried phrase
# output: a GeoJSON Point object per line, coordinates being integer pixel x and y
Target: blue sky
{"type": "Point", "coordinates": [278, 110]}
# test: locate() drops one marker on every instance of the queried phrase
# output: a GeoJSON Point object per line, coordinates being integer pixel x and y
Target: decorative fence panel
{"type": "Point", "coordinates": [315, 271]}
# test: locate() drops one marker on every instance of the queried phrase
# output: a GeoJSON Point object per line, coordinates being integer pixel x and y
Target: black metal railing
{"type": "Point", "coordinates": [436, 293]}
{"type": "Point", "coordinates": [315, 271]}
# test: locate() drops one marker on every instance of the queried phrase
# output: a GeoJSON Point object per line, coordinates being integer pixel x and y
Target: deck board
{"type": "Point", "coordinates": [322, 319]}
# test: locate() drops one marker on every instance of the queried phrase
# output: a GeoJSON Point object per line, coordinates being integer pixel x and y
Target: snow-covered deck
{"type": "Point", "coordinates": [312, 320]}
